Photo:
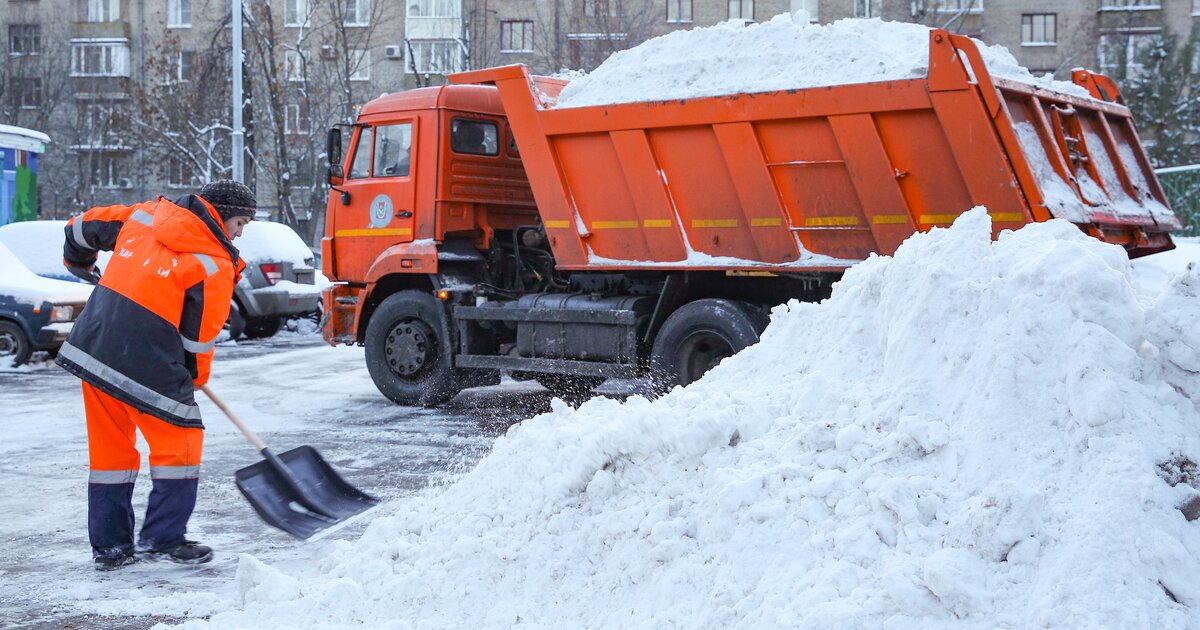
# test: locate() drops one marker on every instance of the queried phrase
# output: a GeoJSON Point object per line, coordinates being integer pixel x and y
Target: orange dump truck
{"type": "Point", "coordinates": [472, 228]}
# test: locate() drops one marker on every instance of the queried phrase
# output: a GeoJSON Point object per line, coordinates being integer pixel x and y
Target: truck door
{"type": "Point", "coordinates": [382, 188]}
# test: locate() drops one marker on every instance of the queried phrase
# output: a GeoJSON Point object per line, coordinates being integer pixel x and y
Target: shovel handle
{"type": "Point", "coordinates": [258, 444]}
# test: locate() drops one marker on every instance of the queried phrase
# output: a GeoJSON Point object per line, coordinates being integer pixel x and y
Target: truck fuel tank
{"type": "Point", "coordinates": [581, 327]}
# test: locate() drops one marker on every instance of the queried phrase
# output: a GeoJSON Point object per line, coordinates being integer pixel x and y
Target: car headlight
{"type": "Point", "coordinates": [63, 313]}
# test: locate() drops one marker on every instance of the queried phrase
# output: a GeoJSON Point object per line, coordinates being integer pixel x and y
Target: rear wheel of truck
{"type": "Point", "coordinates": [409, 350]}
{"type": "Point", "coordinates": [695, 338]}
{"type": "Point", "coordinates": [572, 388]}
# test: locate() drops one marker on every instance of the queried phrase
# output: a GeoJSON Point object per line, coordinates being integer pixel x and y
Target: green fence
{"type": "Point", "coordinates": [1182, 185]}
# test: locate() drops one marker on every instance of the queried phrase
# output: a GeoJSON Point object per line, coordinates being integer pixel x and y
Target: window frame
{"type": "Point", "coordinates": [294, 62]}
{"type": "Point", "coordinates": [378, 147]}
{"type": "Point", "coordinates": [1029, 21]}
{"type": "Point", "coordinates": [32, 38]}
{"type": "Point", "coordinates": [362, 12]}
{"type": "Point", "coordinates": [363, 130]}
{"type": "Point", "coordinates": [360, 64]}
{"type": "Point", "coordinates": [507, 35]}
{"type": "Point", "coordinates": [419, 56]}
{"type": "Point", "coordinates": [177, 11]}
{"type": "Point", "coordinates": [679, 17]}
{"type": "Point", "coordinates": [98, 11]}
{"type": "Point", "coordinates": [455, 9]}
{"type": "Point", "coordinates": [296, 13]}
{"type": "Point", "coordinates": [455, 148]}
{"type": "Point", "coordinates": [20, 92]}
{"type": "Point", "coordinates": [741, 4]}
{"type": "Point", "coordinates": [114, 64]}
{"type": "Point", "coordinates": [295, 120]}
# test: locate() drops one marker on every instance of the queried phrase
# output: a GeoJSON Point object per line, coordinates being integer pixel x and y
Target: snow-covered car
{"type": "Point", "coordinates": [39, 246]}
{"type": "Point", "coordinates": [36, 313]}
{"type": "Point", "coordinates": [279, 281]}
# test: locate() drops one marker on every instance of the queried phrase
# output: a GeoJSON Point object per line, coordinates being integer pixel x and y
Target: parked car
{"type": "Point", "coordinates": [36, 313]}
{"type": "Point", "coordinates": [279, 281]}
{"type": "Point", "coordinates": [39, 246]}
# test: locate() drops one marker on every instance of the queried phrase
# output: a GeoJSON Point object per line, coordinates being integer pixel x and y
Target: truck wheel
{"type": "Point", "coordinates": [236, 324]}
{"type": "Point", "coordinates": [409, 350]}
{"type": "Point", "coordinates": [698, 336]}
{"type": "Point", "coordinates": [570, 387]}
{"type": "Point", "coordinates": [261, 327]}
{"type": "Point", "coordinates": [15, 347]}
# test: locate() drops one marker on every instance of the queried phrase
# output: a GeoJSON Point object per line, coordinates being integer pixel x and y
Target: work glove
{"type": "Point", "coordinates": [90, 275]}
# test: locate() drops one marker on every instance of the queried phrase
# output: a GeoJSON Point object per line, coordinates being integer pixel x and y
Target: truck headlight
{"type": "Point", "coordinates": [62, 313]}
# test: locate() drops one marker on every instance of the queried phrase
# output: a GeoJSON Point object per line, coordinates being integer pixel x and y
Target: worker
{"type": "Point", "coordinates": [142, 345]}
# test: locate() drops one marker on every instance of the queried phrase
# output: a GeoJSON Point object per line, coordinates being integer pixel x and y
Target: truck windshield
{"type": "Point", "coordinates": [393, 149]}
{"type": "Point", "coordinates": [360, 167]}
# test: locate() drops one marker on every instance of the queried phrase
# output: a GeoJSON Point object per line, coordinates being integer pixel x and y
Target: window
{"type": "Point", "coordinates": [357, 13]}
{"type": "Point", "coordinates": [588, 50]}
{"type": "Point", "coordinates": [26, 93]}
{"type": "Point", "coordinates": [107, 169]}
{"type": "Point", "coordinates": [179, 174]}
{"type": "Point", "coordinates": [863, 9]}
{"type": "Point", "coordinates": [516, 36]}
{"type": "Point", "coordinates": [360, 167]}
{"type": "Point", "coordinates": [99, 58]}
{"type": "Point", "coordinates": [1125, 49]}
{"type": "Point", "coordinates": [602, 8]}
{"type": "Point", "coordinates": [436, 56]}
{"type": "Point", "coordinates": [393, 150]}
{"type": "Point", "coordinates": [103, 11]}
{"type": "Point", "coordinates": [185, 66]}
{"type": "Point", "coordinates": [294, 65]}
{"type": "Point", "coordinates": [679, 11]}
{"type": "Point", "coordinates": [741, 9]}
{"type": "Point", "coordinates": [1130, 5]}
{"type": "Point", "coordinates": [434, 8]}
{"type": "Point", "coordinates": [295, 12]}
{"type": "Point", "coordinates": [295, 120]}
{"type": "Point", "coordinates": [24, 39]}
{"type": "Point", "coordinates": [1195, 7]}
{"type": "Point", "coordinates": [477, 137]}
{"type": "Point", "coordinates": [179, 13]}
{"type": "Point", "coordinates": [360, 65]}
{"type": "Point", "coordinates": [920, 7]}
{"type": "Point", "coordinates": [1039, 29]}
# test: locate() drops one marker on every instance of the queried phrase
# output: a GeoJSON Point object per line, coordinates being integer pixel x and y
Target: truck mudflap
{"type": "Point", "coordinates": [818, 179]}
{"type": "Point", "coordinates": [339, 324]}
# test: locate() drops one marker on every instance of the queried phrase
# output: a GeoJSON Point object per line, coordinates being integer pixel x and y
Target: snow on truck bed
{"type": "Point", "coordinates": [967, 434]}
{"type": "Point", "coordinates": [784, 53]}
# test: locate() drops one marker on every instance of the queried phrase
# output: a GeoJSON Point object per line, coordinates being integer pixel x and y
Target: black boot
{"type": "Point", "coordinates": [186, 552]}
{"type": "Point", "coordinates": [112, 558]}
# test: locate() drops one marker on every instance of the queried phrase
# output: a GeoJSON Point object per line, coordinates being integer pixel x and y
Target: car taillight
{"type": "Point", "coordinates": [62, 313]}
{"type": "Point", "coordinates": [273, 272]}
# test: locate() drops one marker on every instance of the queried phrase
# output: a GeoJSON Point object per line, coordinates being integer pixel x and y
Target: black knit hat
{"type": "Point", "coordinates": [230, 198]}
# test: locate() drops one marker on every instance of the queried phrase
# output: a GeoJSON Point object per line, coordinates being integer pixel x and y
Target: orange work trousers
{"type": "Point", "coordinates": [114, 461]}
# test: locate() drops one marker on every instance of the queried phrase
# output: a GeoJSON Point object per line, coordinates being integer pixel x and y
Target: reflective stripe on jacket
{"type": "Point", "coordinates": [147, 332]}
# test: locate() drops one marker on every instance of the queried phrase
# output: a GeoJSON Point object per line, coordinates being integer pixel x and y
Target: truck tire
{"type": "Point", "coordinates": [698, 336]}
{"type": "Point", "coordinates": [409, 350]}
{"type": "Point", "coordinates": [572, 388]}
{"type": "Point", "coordinates": [15, 347]}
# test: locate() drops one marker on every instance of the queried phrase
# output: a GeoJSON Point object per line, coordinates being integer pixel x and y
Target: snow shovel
{"type": "Point", "coordinates": [296, 491]}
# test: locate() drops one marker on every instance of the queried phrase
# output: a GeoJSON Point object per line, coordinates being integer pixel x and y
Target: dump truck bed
{"type": "Point", "coordinates": [820, 178]}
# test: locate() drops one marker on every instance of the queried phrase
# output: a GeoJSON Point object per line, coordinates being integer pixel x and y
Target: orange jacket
{"type": "Point", "coordinates": [147, 333]}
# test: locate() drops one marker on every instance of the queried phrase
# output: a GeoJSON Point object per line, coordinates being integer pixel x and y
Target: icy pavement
{"type": "Point", "coordinates": [293, 390]}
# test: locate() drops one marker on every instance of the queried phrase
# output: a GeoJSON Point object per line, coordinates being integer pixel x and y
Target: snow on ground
{"type": "Point", "coordinates": [969, 434]}
{"type": "Point", "coordinates": [784, 53]}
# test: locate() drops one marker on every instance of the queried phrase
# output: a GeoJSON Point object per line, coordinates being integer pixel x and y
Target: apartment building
{"type": "Point", "coordinates": [136, 95]}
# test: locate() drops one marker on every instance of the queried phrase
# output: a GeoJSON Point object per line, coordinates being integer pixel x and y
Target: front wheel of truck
{"type": "Point", "coordinates": [698, 336]}
{"type": "Point", "coordinates": [409, 350]}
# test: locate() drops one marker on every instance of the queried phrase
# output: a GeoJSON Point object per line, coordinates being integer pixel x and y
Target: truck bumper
{"type": "Point", "coordinates": [339, 326]}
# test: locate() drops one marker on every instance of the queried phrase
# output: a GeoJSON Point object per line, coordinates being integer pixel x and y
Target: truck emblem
{"type": "Point", "coordinates": [381, 211]}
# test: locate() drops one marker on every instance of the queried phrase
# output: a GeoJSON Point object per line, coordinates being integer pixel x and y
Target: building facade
{"type": "Point", "coordinates": [135, 94]}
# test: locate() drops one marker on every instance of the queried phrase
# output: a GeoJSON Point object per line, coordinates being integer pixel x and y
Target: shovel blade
{"type": "Point", "coordinates": [317, 485]}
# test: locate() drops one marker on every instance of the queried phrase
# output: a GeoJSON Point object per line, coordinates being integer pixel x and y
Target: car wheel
{"type": "Point", "coordinates": [15, 347]}
{"type": "Point", "coordinates": [409, 350]}
{"type": "Point", "coordinates": [695, 338]}
{"type": "Point", "coordinates": [261, 327]}
{"type": "Point", "coordinates": [236, 324]}
{"type": "Point", "coordinates": [572, 388]}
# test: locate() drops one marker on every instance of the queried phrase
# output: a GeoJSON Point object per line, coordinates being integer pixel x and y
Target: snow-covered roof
{"type": "Point", "coordinates": [23, 139]}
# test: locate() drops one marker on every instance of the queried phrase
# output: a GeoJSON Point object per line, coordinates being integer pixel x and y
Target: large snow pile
{"type": "Point", "coordinates": [967, 434]}
{"type": "Point", "coordinates": [784, 53]}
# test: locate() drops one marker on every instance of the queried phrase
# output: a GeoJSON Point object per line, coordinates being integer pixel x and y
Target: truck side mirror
{"type": "Point", "coordinates": [333, 150]}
